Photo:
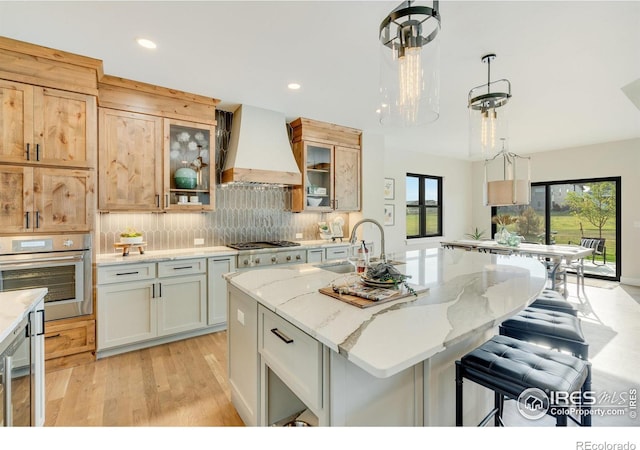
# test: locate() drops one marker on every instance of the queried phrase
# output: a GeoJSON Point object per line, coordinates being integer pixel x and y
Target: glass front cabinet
{"type": "Point", "coordinates": [189, 184]}
{"type": "Point", "coordinates": [329, 158]}
{"type": "Point", "coordinates": [318, 176]}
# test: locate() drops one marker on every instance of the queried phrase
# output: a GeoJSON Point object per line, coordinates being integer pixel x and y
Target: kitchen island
{"type": "Point", "coordinates": [293, 349]}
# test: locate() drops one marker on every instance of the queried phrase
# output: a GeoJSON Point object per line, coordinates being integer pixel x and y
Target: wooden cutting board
{"type": "Point", "coordinates": [361, 302]}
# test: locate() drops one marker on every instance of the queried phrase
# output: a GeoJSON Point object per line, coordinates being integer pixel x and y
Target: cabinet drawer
{"type": "Point", "coordinates": [337, 252]}
{"type": "Point", "coordinates": [70, 338]}
{"type": "Point", "coordinates": [293, 355]}
{"type": "Point", "coordinates": [126, 272]}
{"type": "Point", "coordinates": [182, 267]}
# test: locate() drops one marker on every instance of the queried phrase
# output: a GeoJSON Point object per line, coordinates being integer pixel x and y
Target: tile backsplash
{"type": "Point", "coordinates": [243, 213]}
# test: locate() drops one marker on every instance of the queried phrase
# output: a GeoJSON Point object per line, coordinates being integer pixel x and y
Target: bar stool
{"type": "Point", "coordinates": [510, 367]}
{"type": "Point", "coordinates": [557, 330]}
{"type": "Point", "coordinates": [554, 301]}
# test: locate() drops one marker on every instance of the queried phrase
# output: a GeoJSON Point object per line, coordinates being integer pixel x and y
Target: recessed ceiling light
{"type": "Point", "coordinates": [293, 86]}
{"type": "Point", "coordinates": [146, 43]}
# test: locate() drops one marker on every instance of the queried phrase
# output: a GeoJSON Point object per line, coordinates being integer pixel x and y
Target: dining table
{"type": "Point", "coordinates": [553, 255]}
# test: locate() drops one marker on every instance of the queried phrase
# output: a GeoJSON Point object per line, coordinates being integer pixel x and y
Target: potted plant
{"type": "Point", "coordinates": [131, 236]}
{"type": "Point", "coordinates": [476, 235]}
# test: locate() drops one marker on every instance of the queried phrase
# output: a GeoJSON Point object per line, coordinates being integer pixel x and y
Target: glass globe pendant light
{"type": "Point", "coordinates": [409, 76]}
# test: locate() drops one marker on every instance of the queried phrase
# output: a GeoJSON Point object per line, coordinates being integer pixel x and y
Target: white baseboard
{"type": "Point", "coordinates": [630, 281]}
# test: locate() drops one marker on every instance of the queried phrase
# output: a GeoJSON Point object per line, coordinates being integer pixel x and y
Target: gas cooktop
{"type": "Point", "coordinates": [262, 244]}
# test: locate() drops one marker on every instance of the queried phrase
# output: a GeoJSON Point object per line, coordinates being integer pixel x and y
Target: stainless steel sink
{"type": "Point", "coordinates": [338, 267]}
{"type": "Point", "coordinates": [343, 266]}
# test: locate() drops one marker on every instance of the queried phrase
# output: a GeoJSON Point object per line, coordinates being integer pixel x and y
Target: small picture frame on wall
{"type": "Point", "coordinates": [389, 214]}
{"type": "Point", "coordinates": [389, 188]}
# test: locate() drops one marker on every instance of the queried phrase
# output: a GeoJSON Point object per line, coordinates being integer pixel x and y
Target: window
{"type": "Point", "coordinates": [424, 206]}
{"type": "Point", "coordinates": [564, 212]}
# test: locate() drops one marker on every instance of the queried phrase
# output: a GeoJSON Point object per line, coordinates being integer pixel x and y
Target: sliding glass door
{"type": "Point", "coordinates": [566, 212]}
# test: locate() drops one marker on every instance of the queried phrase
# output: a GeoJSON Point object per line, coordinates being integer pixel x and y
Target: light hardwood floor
{"type": "Point", "coordinates": [178, 384]}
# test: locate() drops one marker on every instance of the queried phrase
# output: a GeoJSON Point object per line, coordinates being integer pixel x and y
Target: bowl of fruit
{"type": "Point", "coordinates": [131, 236]}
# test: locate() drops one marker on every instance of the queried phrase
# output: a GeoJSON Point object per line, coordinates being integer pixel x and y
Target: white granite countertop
{"type": "Point", "coordinates": [15, 305]}
{"type": "Point", "coordinates": [105, 259]}
{"type": "Point", "coordinates": [469, 292]}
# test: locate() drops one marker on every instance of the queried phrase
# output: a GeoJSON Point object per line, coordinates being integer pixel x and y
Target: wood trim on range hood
{"type": "Point", "coordinates": [260, 151]}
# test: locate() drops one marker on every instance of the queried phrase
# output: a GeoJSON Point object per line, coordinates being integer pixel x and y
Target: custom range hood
{"type": "Point", "coordinates": [259, 149]}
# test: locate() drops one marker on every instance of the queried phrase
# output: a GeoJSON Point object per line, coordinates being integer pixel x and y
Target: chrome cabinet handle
{"type": "Point", "coordinates": [183, 267]}
{"type": "Point", "coordinates": [37, 214]}
{"type": "Point", "coordinates": [282, 336]}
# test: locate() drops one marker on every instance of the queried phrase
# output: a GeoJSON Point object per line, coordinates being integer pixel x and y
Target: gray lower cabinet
{"type": "Point", "coordinates": [139, 302]}
{"type": "Point", "coordinates": [243, 357]}
{"type": "Point", "coordinates": [277, 372]}
{"type": "Point", "coordinates": [217, 303]}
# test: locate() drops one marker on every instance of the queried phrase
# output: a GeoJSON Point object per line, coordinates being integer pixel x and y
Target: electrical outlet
{"type": "Point", "coordinates": [198, 241]}
{"type": "Point", "coordinates": [240, 317]}
{"type": "Point", "coordinates": [298, 235]}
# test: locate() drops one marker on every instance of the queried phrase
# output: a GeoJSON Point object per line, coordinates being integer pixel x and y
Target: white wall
{"type": "Point", "coordinates": [457, 203]}
{"type": "Point", "coordinates": [372, 188]}
{"type": "Point", "coordinates": [621, 158]}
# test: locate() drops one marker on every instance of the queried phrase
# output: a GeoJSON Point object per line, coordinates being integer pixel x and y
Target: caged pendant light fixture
{"type": "Point", "coordinates": [487, 124]}
{"type": "Point", "coordinates": [409, 71]}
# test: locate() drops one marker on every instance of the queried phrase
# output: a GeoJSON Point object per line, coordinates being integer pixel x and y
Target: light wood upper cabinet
{"type": "Point", "coordinates": [63, 200]}
{"type": "Point", "coordinates": [46, 199]}
{"type": "Point", "coordinates": [146, 133]}
{"type": "Point", "coordinates": [16, 120]}
{"type": "Point", "coordinates": [43, 126]}
{"type": "Point", "coordinates": [187, 144]}
{"type": "Point", "coordinates": [329, 157]}
{"type": "Point", "coordinates": [16, 198]}
{"type": "Point", "coordinates": [130, 169]}
{"type": "Point", "coordinates": [346, 178]}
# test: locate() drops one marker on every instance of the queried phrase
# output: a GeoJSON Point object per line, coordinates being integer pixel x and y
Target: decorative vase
{"type": "Point", "coordinates": [514, 240]}
{"type": "Point", "coordinates": [186, 178]}
{"type": "Point", "coordinates": [502, 236]}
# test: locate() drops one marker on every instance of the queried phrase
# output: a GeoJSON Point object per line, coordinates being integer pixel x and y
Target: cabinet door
{"type": "Point", "coordinates": [130, 163]}
{"type": "Point", "coordinates": [182, 305]}
{"type": "Point", "coordinates": [16, 199]}
{"type": "Point", "coordinates": [38, 364]}
{"type": "Point", "coordinates": [243, 357]}
{"type": "Point", "coordinates": [16, 121]}
{"type": "Point", "coordinates": [317, 177]}
{"type": "Point", "coordinates": [188, 148]}
{"type": "Point", "coordinates": [65, 126]}
{"type": "Point", "coordinates": [217, 303]}
{"type": "Point", "coordinates": [347, 179]}
{"type": "Point", "coordinates": [126, 313]}
{"type": "Point", "coordinates": [63, 200]}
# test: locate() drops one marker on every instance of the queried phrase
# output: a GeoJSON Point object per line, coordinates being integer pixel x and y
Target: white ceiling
{"type": "Point", "coordinates": [567, 61]}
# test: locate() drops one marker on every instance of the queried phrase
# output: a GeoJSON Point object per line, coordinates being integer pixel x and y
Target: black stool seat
{"type": "Point", "coordinates": [546, 327]}
{"type": "Point", "coordinates": [509, 366]}
{"type": "Point", "coordinates": [554, 301]}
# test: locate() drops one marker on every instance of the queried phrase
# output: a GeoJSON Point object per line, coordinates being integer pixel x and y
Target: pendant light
{"type": "Point", "coordinates": [488, 113]}
{"type": "Point", "coordinates": [506, 182]}
{"type": "Point", "coordinates": [409, 71]}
